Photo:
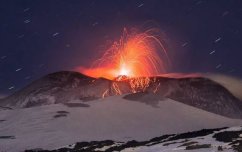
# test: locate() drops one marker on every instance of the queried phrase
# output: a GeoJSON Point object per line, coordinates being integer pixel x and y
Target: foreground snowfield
{"type": "Point", "coordinates": [212, 140]}
{"type": "Point", "coordinates": [112, 118]}
{"type": "Point", "coordinates": [207, 144]}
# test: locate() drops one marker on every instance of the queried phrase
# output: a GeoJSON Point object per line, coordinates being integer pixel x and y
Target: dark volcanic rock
{"type": "Point", "coordinates": [227, 136]}
{"type": "Point", "coordinates": [231, 137]}
{"type": "Point", "coordinates": [76, 105]}
{"type": "Point", "coordinates": [7, 137]}
{"type": "Point", "coordinates": [202, 93]}
{"type": "Point", "coordinates": [198, 92]}
{"type": "Point", "coordinates": [193, 147]}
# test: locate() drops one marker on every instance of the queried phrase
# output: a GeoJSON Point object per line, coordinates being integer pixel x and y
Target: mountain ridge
{"type": "Point", "coordinates": [65, 86]}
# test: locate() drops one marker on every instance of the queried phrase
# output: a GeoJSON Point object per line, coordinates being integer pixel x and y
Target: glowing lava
{"type": "Point", "coordinates": [136, 54]}
{"type": "Point", "coordinates": [124, 70]}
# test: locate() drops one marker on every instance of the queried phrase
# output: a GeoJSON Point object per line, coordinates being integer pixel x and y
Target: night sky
{"type": "Point", "coordinates": [38, 37]}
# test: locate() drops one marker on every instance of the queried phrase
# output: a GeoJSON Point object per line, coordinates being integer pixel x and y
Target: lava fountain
{"type": "Point", "coordinates": [136, 54]}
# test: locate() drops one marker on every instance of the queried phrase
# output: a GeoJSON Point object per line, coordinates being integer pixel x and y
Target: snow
{"type": "Point", "coordinates": [176, 146]}
{"type": "Point", "coordinates": [112, 118]}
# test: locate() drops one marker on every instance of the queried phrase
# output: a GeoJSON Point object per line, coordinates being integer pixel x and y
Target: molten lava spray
{"type": "Point", "coordinates": [136, 54]}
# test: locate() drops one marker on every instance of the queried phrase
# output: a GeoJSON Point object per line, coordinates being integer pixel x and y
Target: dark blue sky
{"type": "Point", "coordinates": [42, 36]}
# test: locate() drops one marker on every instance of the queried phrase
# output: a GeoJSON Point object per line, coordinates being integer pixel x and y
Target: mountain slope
{"type": "Point", "coordinates": [53, 88]}
{"type": "Point", "coordinates": [65, 86]}
{"type": "Point", "coordinates": [220, 139]}
{"type": "Point", "coordinates": [112, 118]}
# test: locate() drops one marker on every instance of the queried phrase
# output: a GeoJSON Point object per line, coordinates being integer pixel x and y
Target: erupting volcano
{"type": "Point", "coordinates": [121, 76]}
{"type": "Point", "coordinates": [136, 54]}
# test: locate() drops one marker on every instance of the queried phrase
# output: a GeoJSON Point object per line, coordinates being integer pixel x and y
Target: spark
{"type": "Point", "coordinates": [139, 84]}
{"type": "Point", "coordinates": [94, 24]}
{"type": "Point", "coordinates": [55, 34]}
{"type": "Point", "coordinates": [217, 40]}
{"type": "Point", "coordinates": [136, 54]}
{"type": "Point", "coordinates": [212, 52]}
{"type": "Point", "coordinates": [3, 57]}
{"type": "Point", "coordinates": [141, 5]}
{"type": "Point", "coordinates": [134, 59]}
{"type": "Point", "coordinates": [27, 9]}
{"type": "Point", "coordinates": [105, 93]}
{"type": "Point", "coordinates": [19, 69]}
{"type": "Point", "coordinates": [225, 13]}
{"type": "Point", "coordinates": [156, 88]}
{"type": "Point", "coordinates": [116, 88]}
{"type": "Point", "coordinates": [27, 21]}
{"type": "Point", "coordinates": [21, 36]}
{"type": "Point", "coordinates": [10, 88]}
{"type": "Point", "coordinates": [27, 77]}
{"type": "Point", "coordinates": [199, 2]}
{"type": "Point", "coordinates": [184, 44]}
{"type": "Point", "coordinates": [218, 66]}
{"type": "Point", "coordinates": [41, 65]}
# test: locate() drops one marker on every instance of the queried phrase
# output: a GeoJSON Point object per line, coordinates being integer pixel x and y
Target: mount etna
{"type": "Point", "coordinates": [69, 108]}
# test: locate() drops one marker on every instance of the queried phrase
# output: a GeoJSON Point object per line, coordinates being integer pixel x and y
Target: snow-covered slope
{"type": "Point", "coordinates": [206, 140]}
{"type": "Point", "coordinates": [112, 118]}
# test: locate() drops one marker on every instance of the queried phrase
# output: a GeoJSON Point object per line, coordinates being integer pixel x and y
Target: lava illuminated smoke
{"type": "Point", "coordinates": [136, 54]}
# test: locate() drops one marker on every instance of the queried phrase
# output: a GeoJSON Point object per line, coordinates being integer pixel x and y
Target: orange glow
{"type": "Point", "coordinates": [136, 54]}
{"type": "Point", "coordinates": [124, 70]}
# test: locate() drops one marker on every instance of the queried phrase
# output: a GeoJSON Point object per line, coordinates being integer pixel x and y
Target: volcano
{"type": "Point", "coordinates": [69, 108]}
{"type": "Point", "coordinates": [66, 86]}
